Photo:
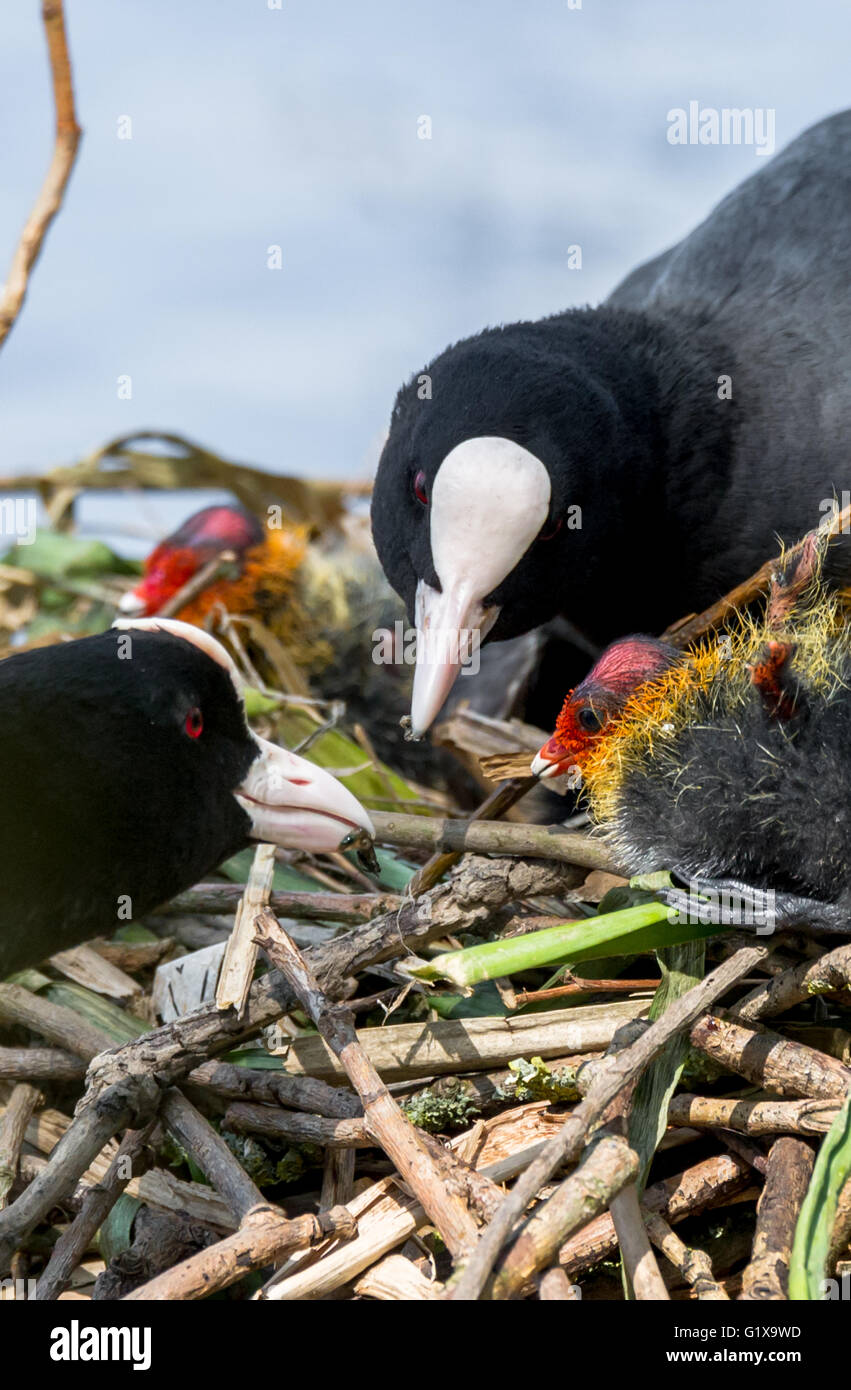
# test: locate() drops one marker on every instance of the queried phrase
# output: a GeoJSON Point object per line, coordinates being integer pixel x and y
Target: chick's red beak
{"type": "Point", "coordinates": [166, 571]}
{"type": "Point", "coordinates": [555, 759]}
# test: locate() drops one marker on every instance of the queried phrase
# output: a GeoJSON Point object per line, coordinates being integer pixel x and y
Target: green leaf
{"type": "Point", "coordinates": [256, 703]}
{"type": "Point", "coordinates": [257, 1058]}
{"type": "Point", "coordinates": [116, 1234]}
{"type": "Point", "coordinates": [682, 967]}
{"type": "Point", "coordinates": [649, 926]}
{"type": "Point", "coordinates": [285, 879]}
{"type": "Point", "coordinates": [55, 555]}
{"type": "Point", "coordinates": [484, 1002]}
{"type": "Point", "coordinates": [336, 751]}
{"type": "Point", "coordinates": [135, 934]}
{"type": "Point", "coordinates": [815, 1223]}
{"type": "Point", "coordinates": [102, 1013]}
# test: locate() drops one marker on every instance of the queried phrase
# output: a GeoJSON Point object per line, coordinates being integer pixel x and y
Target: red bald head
{"type": "Point", "coordinates": [620, 671]}
{"type": "Point", "coordinates": [174, 561]}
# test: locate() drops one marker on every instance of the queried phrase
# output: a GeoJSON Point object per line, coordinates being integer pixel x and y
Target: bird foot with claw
{"type": "Point", "coordinates": [730, 903]}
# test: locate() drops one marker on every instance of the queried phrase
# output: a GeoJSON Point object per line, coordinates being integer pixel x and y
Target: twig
{"type": "Point", "coordinates": [618, 1072]}
{"type": "Point", "coordinates": [212, 1155]}
{"type": "Point", "coordinates": [790, 1166]}
{"type": "Point", "coordinates": [51, 1021]}
{"type": "Point", "coordinates": [297, 1128]}
{"type": "Point", "coordinates": [277, 1088]}
{"type": "Point", "coordinates": [491, 808]}
{"type": "Point", "coordinates": [789, 1068]}
{"type": "Point", "coordinates": [129, 1162]}
{"type": "Point", "coordinates": [831, 973]}
{"type": "Point", "coordinates": [240, 956]}
{"type": "Point", "coordinates": [555, 1287]}
{"type": "Point", "coordinates": [693, 1263]}
{"type": "Point", "coordinates": [607, 1166]}
{"type": "Point", "coordinates": [576, 985]}
{"type": "Point", "coordinates": [13, 1127]}
{"type": "Point", "coordinates": [220, 564]}
{"type": "Point", "coordinates": [39, 1064]}
{"type": "Point", "coordinates": [49, 200]}
{"type": "Point", "coordinates": [264, 1237]}
{"type": "Point", "coordinates": [384, 1120]}
{"type": "Point", "coordinates": [454, 837]}
{"type": "Point", "coordinates": [756, 1116]}
{"type": "Point", "coordinates": [687, 630]}
{"type": "Point", "coordinates": [639, 1262]}
{"type": "Point", "coordinates": [349, 908]}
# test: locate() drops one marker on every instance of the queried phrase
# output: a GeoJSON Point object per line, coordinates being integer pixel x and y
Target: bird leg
{"type": "Point", "coordinates": [731, 903]}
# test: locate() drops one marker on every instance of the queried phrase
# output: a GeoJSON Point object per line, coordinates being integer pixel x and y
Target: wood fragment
{"type": "Point", "coordinates": [264, 1237]}
{"type": "Point", "coordinates": [396, 1279]}
{"type": "Point", "coordinates": [608, 1165]}
{"type": "Point", "coordinates": [405, 1051]}
{"type": "Point", "coordinates": [771, 1061]}
{"type": "Point", "coordinates": [72, 1245]}
{"type": "Point", "coordinates": [693, 1264]}
{"type": "Point", "coordinates": [555, 1287]}
{"type": "Point", "coordinates": [614, 1075]}
{"type": "Point", "coordinates": [754, 1115]}
{"type": "Point", "coordinates": [383, 1119]}
{"type": "Point", "coordinates": [92, 970]}
{"type": "Point", "coordinates": [240, 958]}
{"type": "Point", "coordinates": [13, 1128]}
{"type": "Point", "coordinates": [52, 192]}
{"type": "Point", "coordinates": [790, 1167]}
{"type": "Point", "coordinates": [639, 1261]}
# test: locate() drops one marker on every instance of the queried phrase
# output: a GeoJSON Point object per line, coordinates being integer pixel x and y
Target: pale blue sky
{"type": "Point", "coordinates": [298, 127]}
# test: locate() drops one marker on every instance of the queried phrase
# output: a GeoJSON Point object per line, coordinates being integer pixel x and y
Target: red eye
{"type": "Point", "coordinates": [420, 491]}
{"type": "Point", "coordinates": [194, 725]}
{"type": "Point", "coordinates": [554, 530]}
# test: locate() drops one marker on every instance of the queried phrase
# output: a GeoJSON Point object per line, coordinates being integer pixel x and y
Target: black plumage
{"type": "Point", "coordinates": [728, 765]}
{"type": "Point", "coordinates": [697, 414]}
{"type": "Point", "coordinates": [122, 756]}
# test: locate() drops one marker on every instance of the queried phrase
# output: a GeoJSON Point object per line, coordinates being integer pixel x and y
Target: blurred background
{"type": "Point", "coordinates": [253, 127]}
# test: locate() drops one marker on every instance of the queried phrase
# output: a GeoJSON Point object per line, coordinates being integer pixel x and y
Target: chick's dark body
{"type": "Point", "coordinates": [108, 807]}
{"type": "Point", "coordinates": [735, 794]}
